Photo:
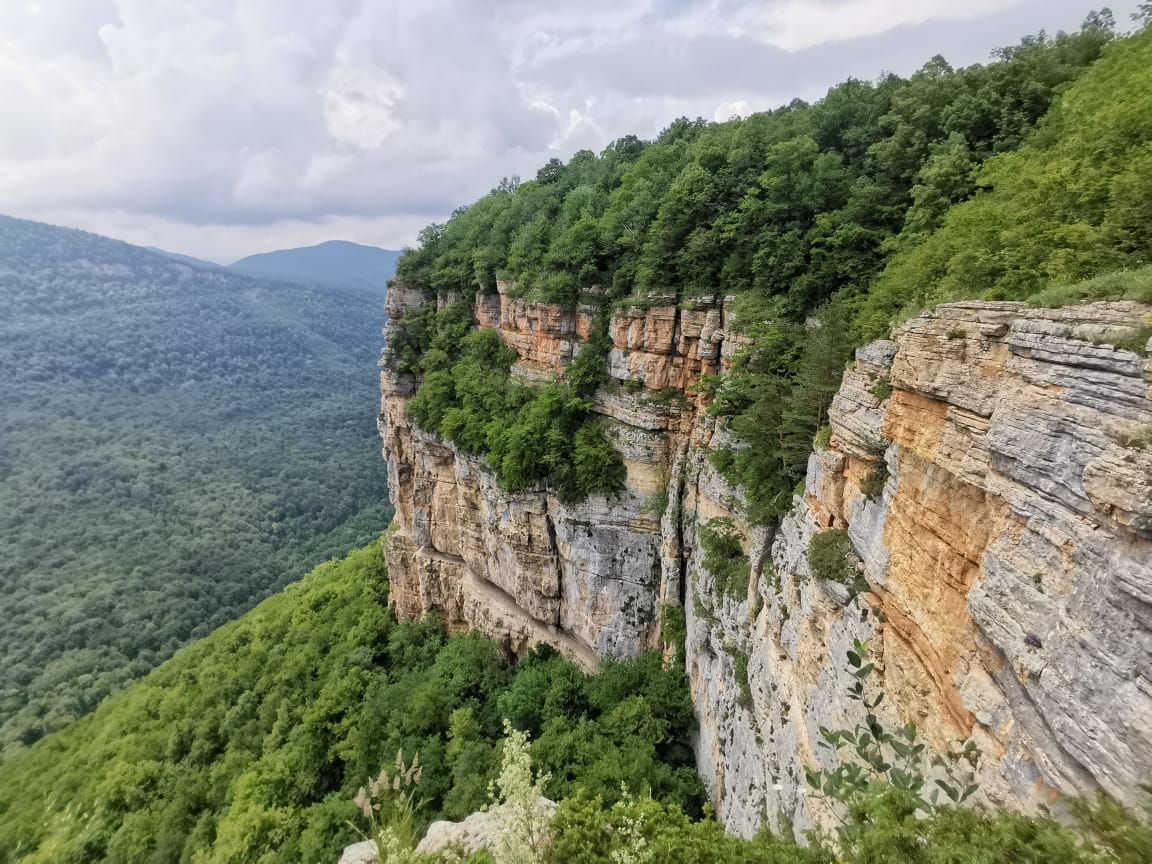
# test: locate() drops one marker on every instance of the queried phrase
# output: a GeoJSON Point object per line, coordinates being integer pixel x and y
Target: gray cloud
{"type": "Point", "coordinates": [222, 128]}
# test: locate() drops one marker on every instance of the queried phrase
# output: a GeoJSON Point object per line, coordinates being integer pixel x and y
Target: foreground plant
{"type": "Point", "coordinates": [881, 759]}
{"type": "Point", "coordinates": [389, 804]}
{"type": "Point", "coordinates": [516, 801]}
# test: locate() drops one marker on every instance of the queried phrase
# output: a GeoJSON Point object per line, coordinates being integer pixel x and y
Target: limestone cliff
{"type": "Point", "coordinates": [1004, 544]}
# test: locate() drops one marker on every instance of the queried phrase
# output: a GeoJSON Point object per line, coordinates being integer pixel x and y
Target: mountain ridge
{"type": "Point", "coordinates": [333, 262]}
{"type": "Point", "coordinates": [148, 491]}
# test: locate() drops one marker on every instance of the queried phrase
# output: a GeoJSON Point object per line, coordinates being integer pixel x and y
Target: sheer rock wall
{"type": "Point", "coordinates": [1007, 560]}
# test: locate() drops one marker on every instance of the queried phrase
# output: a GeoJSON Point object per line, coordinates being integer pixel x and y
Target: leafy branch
{"type": "Point", "coordinates": [876, 759]}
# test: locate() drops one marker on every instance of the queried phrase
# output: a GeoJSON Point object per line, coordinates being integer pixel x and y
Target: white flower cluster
{"type": "Point", "coordinates": [630, 830]}
{"type": "Point", "coordinates": [515, 800]}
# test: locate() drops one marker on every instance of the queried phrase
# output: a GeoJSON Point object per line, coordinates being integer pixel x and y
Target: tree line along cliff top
{"type": "Point", "coordinates": [1014, 179]}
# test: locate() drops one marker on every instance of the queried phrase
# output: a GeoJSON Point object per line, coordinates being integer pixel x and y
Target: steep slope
{"type": "Point", "coordinates": [335, 262]}
{"type": "Point", "coordinates": [175, 444]}
{"type": "Point", "coordinates": [978, 508]}
{"type": "Point", "coordinates": [987, 490]}
{"type": "Point", "coordinates": [249, 745]}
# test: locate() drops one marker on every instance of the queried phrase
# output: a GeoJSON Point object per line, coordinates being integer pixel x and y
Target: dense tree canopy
{"type": "Point", "coordinates": [821, 220]}
{"type": "Point", "coordinates": [176, 443]}
{"type": "Point", "coordinates": [249, 745]}
{"type": "Point", "coordinates": [1073, 202]}
{"type": "Point", "coordinates": [795, 204]}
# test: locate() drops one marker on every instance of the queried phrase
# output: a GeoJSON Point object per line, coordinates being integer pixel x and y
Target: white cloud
{"type": "Point", "coordinates": [728, 110]}
{"type": "Point", "coordinates": [360, 108]}
{"type": "Point", "coordinates": [793, 25]}
{"type": "Point", "coordinates": [219, 127]}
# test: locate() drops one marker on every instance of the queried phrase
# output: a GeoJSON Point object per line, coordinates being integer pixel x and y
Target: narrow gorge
{"type": "Point", "coordinates": [985, 489]}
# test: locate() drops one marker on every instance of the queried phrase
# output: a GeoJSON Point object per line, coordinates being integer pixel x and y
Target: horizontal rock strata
{"type": "Point", "coordinates": [1005, 548]}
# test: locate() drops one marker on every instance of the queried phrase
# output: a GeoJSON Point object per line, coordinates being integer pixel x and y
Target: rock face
{"type": "Point", "coordinates": [360, 853]}
{"type": "Point", "coordinates": [587, 578]}
{"type": "Point", "coordinates": [480, 830]}
{"type": "Point", "coordinates": [1004, 545]}
{"type": "Point", "coordinates": [483, 829]}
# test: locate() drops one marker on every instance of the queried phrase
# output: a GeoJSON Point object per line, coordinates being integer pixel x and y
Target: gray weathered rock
{"type": "Point", "coordinates": [480, 830]}
{"type": "Point", "coordinates": [1007, 552]}
{"type": "Point", "coordinates": [360, 853]}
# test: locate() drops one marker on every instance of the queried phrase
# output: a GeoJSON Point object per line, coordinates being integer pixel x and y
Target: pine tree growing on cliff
{"type": "Point", "coordinates": [817, 380]}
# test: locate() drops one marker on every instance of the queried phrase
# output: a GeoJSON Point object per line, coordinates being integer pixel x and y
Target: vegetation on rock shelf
{"type": "Point", "coordinates": [724, 557]}
{"type": "Point", "coordinates": [529, 434]}
{"type": "Point", "coordinates": [832, 557]}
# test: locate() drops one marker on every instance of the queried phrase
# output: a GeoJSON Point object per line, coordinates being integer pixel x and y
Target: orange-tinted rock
{"type": "Point", "coordinates": [987, 466]}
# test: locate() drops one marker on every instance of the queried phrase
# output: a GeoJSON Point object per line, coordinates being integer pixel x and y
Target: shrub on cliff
{"type": "Point", "coordinates": [543, 434]}
{"type": "Point", "coordinates": [831, 556]}
{"type": "Point", "coordinates": [724, 557]}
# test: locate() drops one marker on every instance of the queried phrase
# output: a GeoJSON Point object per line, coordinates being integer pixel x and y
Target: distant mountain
{"type": "Point", "coordinates": [186, 259]}
{"type": "Point", "coordinates": [337, 262]}
{"type": "Point", "coordinates": [177, 441]}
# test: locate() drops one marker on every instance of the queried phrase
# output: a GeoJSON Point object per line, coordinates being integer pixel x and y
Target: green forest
{"type": "Point", "coordinates": [249, 745]}
{"type": "Point", "coordinates": [176, 443]}
{"type": "Point", "coordinates": [1028, 177]}
{"type": "Point", "coordinates": [828, 222]}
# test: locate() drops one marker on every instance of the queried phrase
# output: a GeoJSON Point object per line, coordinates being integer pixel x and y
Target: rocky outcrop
{"type": "Point", "coordinates": [484, 829]}
{"type": "Point", "coordinates": [1008, 559]}
{"type": "Point", "coordinates": [588, 578]}
{"type": "Point", "coordinates": [992, 466]}
{"type": "Point", "coordinates": [360, 853]}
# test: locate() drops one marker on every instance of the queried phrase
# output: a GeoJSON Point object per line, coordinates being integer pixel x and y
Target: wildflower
{"type": "Point", "coordinates": [363, 802]}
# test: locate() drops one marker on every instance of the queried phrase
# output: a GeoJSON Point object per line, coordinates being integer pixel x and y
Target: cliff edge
{"type": "Point", "coordinates": [985, 489]}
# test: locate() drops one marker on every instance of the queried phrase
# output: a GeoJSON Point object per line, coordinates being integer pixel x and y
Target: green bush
{"type": "Point", "coordinates": [724, 557]}
{"type": "Point", "coordinates": [545, 434]}
{"type": "Point", "coordinates": [638, 829]}
{"type": "Point", "coordinates": [831, 556]}
{"type": "Point", "coordinates": [588, 371]}
{"type": "Point", "coordinates": [740, 670]}
{"type": "Point", "coordinates": [673, 626]}
{"type": "Point", "coordinates": [872, 483]}
{"type": "Point", "coordinates": [1120, 285]}
{"type": "Point", "coordinates": [882, 389]}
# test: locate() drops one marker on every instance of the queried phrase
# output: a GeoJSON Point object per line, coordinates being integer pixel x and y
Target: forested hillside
{"type": "Point", "coordinates": [249, 745]}
{"type": "Point", "coordinates": [798, 211]}
{"type": "Point", "coordinates": [175, 444]}
{"type": "Point", "coordinates": [336, 262]}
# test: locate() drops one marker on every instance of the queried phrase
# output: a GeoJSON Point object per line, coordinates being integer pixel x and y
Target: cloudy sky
{"type": "Point", "coordinates": [219, 128]}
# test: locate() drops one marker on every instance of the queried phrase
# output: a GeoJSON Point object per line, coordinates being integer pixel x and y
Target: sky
{"type": "Point", "coordinates": [222, 128]}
